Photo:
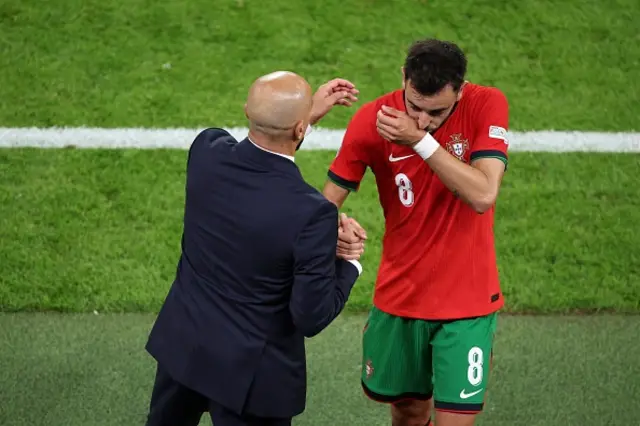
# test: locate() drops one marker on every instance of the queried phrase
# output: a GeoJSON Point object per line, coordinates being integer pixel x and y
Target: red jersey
{"type": "Point", "coordinates": [438, 254]}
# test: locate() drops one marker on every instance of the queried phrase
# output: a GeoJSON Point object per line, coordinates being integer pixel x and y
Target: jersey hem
{"type": "Point", "coordinates": [430, 316]}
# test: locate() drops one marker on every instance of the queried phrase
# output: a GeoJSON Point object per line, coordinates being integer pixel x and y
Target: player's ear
{"type": "Point", "coordinates": [464, 83]}
{"type": "Point", "coordinates": [245, 111]}
{"type": "Point", "coordinates": [403, 78]}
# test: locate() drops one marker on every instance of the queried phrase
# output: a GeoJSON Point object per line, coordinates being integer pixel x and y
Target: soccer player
{"type": "Point", "coordinates": [438, 150]}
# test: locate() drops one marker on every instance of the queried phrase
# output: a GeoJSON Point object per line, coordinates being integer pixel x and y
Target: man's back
{"type": "Point", "coordinates": [240, 305]}
{"type": "Point", "coordinates": [244, 207]}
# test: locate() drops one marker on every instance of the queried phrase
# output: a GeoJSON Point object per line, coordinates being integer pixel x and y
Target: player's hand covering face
{"type": "Point", "coordinates": [397, 127]}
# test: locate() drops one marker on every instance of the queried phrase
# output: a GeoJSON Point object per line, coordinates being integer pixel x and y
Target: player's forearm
{"type": "Point", "coordinates": [335, 194]}
{"type": "Point", "coordinates": [470, 184]}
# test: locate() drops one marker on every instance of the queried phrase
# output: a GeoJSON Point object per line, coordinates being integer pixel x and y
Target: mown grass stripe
{"type": "Point", "coordinates": [181, 138]}
{"type": "Point", "coordinates": [99, 229]}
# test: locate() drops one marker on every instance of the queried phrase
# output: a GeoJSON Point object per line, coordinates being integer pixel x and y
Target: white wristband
{"type": "Point", "coordinates": [426, 147]}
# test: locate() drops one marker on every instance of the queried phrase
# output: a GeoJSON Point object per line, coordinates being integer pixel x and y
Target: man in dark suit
{"type": "Point", "coordinates": [260, 269]}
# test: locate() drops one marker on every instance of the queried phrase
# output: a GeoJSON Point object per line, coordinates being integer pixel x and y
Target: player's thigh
{"type": "Point", "coordinates": [396, 358]}
{"type": "Point", "coordinates": [462, 353]}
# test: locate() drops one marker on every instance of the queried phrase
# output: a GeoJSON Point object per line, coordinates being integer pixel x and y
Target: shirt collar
{"type": "Point", "coordinates": [306, 133]}
{"type": "Point", "coordinates": [272, 152]}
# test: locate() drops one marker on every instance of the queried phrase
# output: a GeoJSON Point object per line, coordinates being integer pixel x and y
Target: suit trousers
{"type": "Point", "coordinates": [173, 404]}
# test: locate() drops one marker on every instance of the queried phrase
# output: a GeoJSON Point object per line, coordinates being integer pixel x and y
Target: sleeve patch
{"type": "Point", "coordinates": [497, 132]}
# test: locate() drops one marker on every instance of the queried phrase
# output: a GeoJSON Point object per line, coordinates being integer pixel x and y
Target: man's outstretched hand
{"type": "Point", "coordinates": [334, 92]}
{"type": "Point", "coordinates": [351, 237]}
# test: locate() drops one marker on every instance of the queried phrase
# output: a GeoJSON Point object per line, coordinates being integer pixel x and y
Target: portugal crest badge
{"type": "Point", "coordinates": [458, 146]}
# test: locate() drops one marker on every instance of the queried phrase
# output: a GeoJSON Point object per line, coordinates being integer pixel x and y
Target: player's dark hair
{"type": "Point", "coordinates": [432, 64]}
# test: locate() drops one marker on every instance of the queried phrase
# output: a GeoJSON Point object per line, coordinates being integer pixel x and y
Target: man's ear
{"type": "Point", "coordinates": [403, 77]}
{"type": "Point", "coordinates": [461, 90]}
{"type": "Point", "coordinates": [245, 111]}
{"type": "Point", "coordinates": [300, 129]}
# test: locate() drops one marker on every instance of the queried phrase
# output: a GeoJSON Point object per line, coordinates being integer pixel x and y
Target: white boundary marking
{"type": "Point", "coordinates": [181, 138]}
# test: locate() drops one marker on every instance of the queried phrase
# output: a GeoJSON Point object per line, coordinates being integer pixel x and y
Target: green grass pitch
{"type": "Point", "coordinates": [85, 369]}
{"type": "Point", "coordinates": [85, 230]}
{"type": "Point", "coordinates": [100, 230]}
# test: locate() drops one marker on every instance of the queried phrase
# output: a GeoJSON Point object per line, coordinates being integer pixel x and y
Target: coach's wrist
{"type": "Point", "coordinates": [426, 146]}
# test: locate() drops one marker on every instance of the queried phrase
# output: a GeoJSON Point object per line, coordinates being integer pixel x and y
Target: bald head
{"type": "Point", "coordinates": [278, 101]}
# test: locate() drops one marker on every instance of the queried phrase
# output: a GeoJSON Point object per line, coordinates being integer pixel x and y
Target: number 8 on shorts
{"type": "Point", "coordinates": [412, 358]}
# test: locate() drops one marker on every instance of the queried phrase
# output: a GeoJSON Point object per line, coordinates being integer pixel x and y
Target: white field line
{"type": "Point", "coordinates": [181, 138]}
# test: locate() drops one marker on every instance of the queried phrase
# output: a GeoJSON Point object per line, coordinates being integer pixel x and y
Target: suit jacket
{"type": "Point", "coordinates": [258, 273]}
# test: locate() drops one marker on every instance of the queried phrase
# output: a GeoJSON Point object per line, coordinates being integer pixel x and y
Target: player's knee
{"type": "Point", "coordinates": [411, 413]}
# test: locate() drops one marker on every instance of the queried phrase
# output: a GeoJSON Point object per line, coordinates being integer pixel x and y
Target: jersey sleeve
{"type": "Point", "coordinates": [352, 159]}
{"type": "Point", "coordinates": [491, 139]}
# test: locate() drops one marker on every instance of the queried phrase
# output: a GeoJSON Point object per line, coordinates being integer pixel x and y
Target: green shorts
{"type": "Point", "coordinates": [417, 359]}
